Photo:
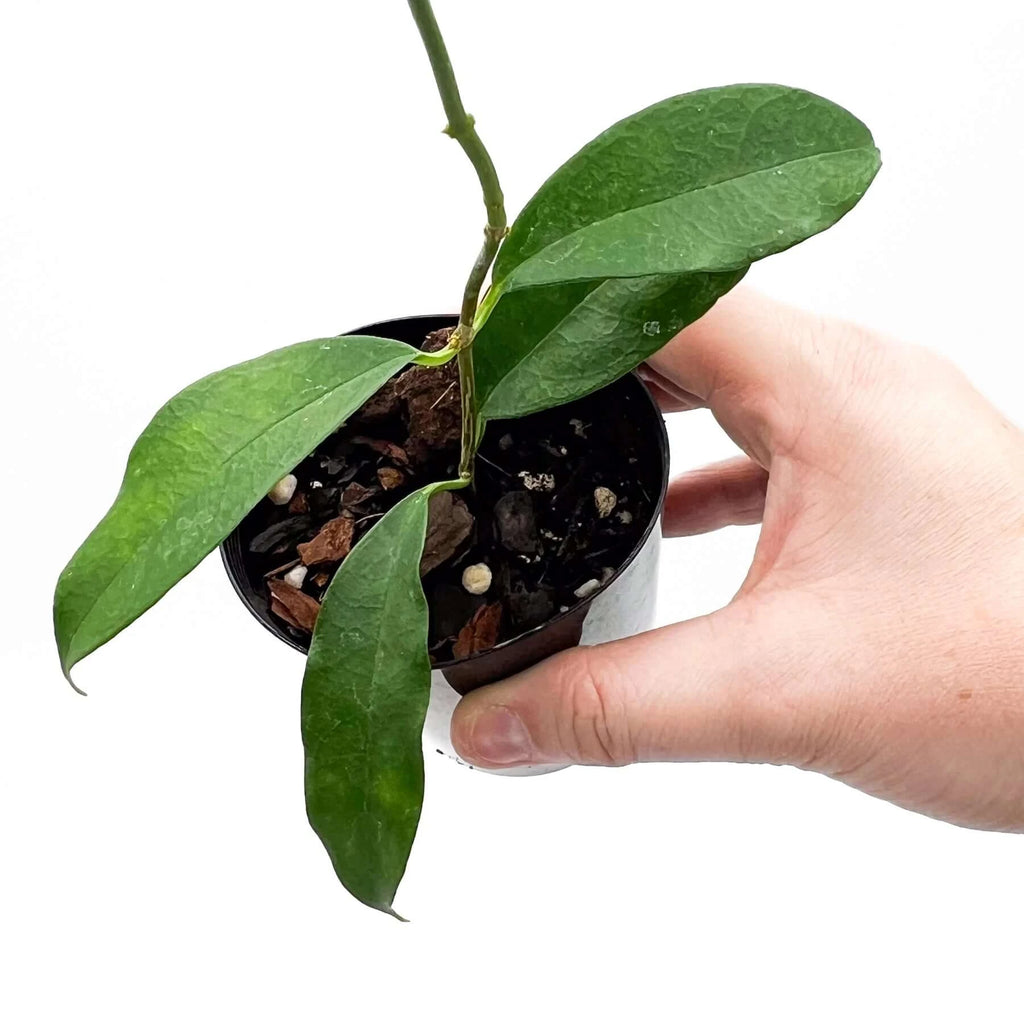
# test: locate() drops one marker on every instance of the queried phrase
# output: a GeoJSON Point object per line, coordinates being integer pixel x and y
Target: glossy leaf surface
{"type": "Point", "coordinates": [204, 461]}
{"type": "Point", "coordinates": [638, 234]}
{"type": "Point", "coordinates": [541, 347]}
{"type": "Point", "coordinates": [364, 700]}
{"type": "Point", "coordinates": [704, 182]}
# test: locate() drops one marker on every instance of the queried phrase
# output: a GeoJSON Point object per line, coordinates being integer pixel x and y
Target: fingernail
{"type": "Point", "coordinates": [498, 736]}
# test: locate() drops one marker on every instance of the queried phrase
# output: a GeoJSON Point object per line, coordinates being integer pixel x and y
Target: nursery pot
{"type": "Point", "coordinates": [623, 606]}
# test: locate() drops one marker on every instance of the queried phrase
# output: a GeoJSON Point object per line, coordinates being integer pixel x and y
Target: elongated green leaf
{"type": "Point", "coordinates": [705, 182]}
{"type": "Point", "coordinates": [544, 346]}
{"type": "Point", "coordinates": [364, 699]}
{"type": "Point", "coordinates": [638, 234]}
{"type": "Point", "coordinates": [206, 458]}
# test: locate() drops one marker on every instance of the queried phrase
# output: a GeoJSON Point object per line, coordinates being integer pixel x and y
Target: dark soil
{"type": "Point", "coordinates": [558, 505]}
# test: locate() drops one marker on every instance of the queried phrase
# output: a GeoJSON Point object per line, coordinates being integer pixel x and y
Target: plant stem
{"type": "Point", "coordinates": [461, 127]}
{"type": "Point", "coordinates": [467, 389]}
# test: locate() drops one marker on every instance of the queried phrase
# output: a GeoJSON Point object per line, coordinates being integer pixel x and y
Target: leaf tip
{"type": "Point", "coordinates": [67, 660]}
{"type": "Point", "coordinates": [66, 668]}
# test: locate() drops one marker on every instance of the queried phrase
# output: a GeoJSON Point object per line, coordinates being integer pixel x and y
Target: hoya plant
{"type": "Point", "coordinates": [630, 240]}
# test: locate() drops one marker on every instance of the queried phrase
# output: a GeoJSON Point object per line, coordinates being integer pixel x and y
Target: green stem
{"type": "Point", "coordinates": [438, 358]}
{"type": "Point", "coordinates": [467, 389]}
{"type": "Point", "coordinates": [461, 127]}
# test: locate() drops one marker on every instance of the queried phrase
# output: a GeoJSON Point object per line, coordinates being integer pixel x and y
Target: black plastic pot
{"type": "Point", "coordinates": [622, 607]}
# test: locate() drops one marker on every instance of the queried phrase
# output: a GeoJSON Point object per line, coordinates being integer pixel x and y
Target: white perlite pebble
{"type": "Point", "coordinates": [296, 577]}
{"type": "Point", "coordinates": [281, 493]}
{"type": "Point", "coordinates": [537, 481]}
{"type": "Point", "coordinates": [588, 588]}
{"type": "Point", "coordinates": [604, 501]}
{"type": "Point", "coordinates": [476, 578]}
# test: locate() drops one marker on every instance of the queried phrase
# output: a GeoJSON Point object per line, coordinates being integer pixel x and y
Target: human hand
{"type": "Point", "coordinates": [879, 635]}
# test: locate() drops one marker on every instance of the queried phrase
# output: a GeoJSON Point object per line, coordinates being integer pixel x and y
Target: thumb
{"type": "Point", "coordinates": [714, 688]}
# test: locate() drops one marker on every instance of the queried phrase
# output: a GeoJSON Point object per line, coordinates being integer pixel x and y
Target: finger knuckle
{"type": "Point", "coordinates": [594, 722]}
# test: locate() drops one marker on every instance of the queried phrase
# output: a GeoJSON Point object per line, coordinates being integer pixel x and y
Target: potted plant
{"type": "Point", "coordinates": [505, 462]}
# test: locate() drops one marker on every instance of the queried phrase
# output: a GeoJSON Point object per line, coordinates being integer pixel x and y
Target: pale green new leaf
{"type": "Point", "coordinates": [364, 700]}
{"type": "Point", "coordinates": [204, 461]}
{"type": "Point", "coordinates": [704, 182]}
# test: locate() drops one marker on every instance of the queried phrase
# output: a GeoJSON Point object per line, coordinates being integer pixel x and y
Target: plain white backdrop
{"type": "Point", "coordinates": [185, 186]}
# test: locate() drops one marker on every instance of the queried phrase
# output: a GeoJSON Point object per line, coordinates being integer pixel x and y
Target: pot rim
{"type": "Point", "coordinates": [449, 320]}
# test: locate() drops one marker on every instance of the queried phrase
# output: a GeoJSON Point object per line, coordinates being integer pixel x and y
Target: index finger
{"type": "Point", "coordinates": [751, 360]}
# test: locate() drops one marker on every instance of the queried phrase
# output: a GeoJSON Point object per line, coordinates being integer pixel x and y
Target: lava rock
{"type": "Point", "coordinates": [323, 501]}
{"type": "Point", "coordinates": [516, 521]}
{"type": "Point", "coordinates": [530, 608]}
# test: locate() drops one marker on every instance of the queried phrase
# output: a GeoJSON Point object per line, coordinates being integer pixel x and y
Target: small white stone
{"type": "Point", "coordinates": [476, 579]}
{"type": "Point", "coordinates": [537, 481]}
{"type": "Point", "coordinates": [588, 588]}
{"type": "Point", "coordinates": [625, 516]}
{"type": "Point", "coordinates": [296, 577]}
{"type": "Point", "coordinates": [281, 493]}
{"type": "Point", "coordinates": [604, 501]}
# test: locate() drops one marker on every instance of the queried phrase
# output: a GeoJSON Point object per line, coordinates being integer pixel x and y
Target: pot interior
{"type": "Point", "coordinates": [632, 443]}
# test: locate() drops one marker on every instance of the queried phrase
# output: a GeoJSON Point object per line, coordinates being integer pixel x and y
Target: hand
{"type": "Point", "coordinates": [879, 635]}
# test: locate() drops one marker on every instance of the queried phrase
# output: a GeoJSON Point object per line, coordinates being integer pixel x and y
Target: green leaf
{"type": "Point", "coordinates": [647, 226]}
{"type": "Point", "coordinates": [204, 461]}
{"type": "Point", "coordinates": [544, 346]}
{"type": "Point", "coordinates": [704, 182]}
{"type": "Point", "coordinates": [364, 700]}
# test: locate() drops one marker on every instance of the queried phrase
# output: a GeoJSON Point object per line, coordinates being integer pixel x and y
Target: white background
{"type": "Point", "coordinates": [186, 185]}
